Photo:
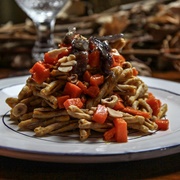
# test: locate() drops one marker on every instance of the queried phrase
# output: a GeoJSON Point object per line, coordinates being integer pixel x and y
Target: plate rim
{"type": "Point", "coordinates": [87, 158]}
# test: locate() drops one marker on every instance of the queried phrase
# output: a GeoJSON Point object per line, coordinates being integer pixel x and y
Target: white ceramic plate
{"type": "Point", "coordinates": [22, 144]}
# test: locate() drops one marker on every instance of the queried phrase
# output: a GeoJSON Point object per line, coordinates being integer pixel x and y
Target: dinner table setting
{"type": "Point", "coordinates": [147, 36]}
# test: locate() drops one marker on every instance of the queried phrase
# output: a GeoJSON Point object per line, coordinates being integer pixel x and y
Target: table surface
{"type": "Point", "coordinates": [167, 167]}
{"type": "Point", "coordinates": [159, 168]}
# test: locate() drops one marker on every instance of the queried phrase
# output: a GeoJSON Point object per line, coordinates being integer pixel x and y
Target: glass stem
{"type": "Point", "coordinates": [44, 40]}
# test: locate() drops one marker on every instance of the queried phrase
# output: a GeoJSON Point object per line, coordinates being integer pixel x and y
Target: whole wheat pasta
{"type": "Point", "coordinates": [52, 87]}
{"type": "Point", "coordinates": [75, 112]}
{"type": "Point", "coordinates": [41, 131]}
{"type": "Point", "coordinates": [163, 110]}
{"type": "Point", "coordinates": [85, 124]}
{"type": "Point", "coordinates": [12, 101]}
{"type": "Point", "coordinates": [69, 127]}
{"type": "Point", "coordinates": [38, 113]}
{"type": "Point", "coordinates": [25, 92]}
{"type": "Point", "coordinates": [84, 134]}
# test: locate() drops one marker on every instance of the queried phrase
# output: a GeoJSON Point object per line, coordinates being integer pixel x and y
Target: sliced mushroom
{"type": "Point", "coordinates": [110, 101]}
{"type": "Point", "coordinates": [65, 69]}
{"type": "Point", "coordinates": [69, 63]}
{"type": "Point", "coordinates": [163, 110]}
{"type": "Point", "coordinates": [73, 78]}
{"type": "Point", "coordinates": [56, 52]}
{"type": "Point", "coordinates": [114, 113]}
{"type": "Point", "coordinates": [63, 59]}
{"type": "Point", "coordinates": [71, 57]}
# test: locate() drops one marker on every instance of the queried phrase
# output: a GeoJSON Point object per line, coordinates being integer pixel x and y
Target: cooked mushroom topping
{"type": "Point", "coordinates": [69, 36]}
{"type": "Point", "coordinates": [82, 60]}
{"type": "Point", "coordinates": [111, 38]}
{"type": "Point", "coordinates": [80, 44]}
{"type": "Point", "coordinates": [106, 58]}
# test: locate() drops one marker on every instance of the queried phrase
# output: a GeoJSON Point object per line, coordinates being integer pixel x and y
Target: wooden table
{"type": "Point", "coordinates": [167, 167]}
{"type": "Point", "coordinates": [164, 168]}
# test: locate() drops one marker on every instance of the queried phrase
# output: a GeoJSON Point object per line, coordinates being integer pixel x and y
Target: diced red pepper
{"type": "Point", "coordinates": [92, 46]}
{"type": "Point", "coordinates": [163, 124]}
{"type": "Point", "coordinates": [66, 52]}
{"type": "Point", "coordinates": [154, 103]}
{"type": "Point", "coordinates": [93, 91]}
{"type": "Point", "coordinates": [61, 101]}
{"type": "Point", "coordinates": [117, 58]}
{"type": "Point", "coordinates": [73, 101]}
{"type": "Point", "coordinates": [87, 76]}
{"type": "Point", "coordinates": [100, 114]}
{"type": "Point", "coordinates": [94, 58]}
{"type": "Point", "coordinates": [96, 79]}
{"type": "Point", "coordinates": [119, 105]}
{"type": "Point", "coordinates": [133, 111]}
{"type": "Point", "coordinates": [50, 59]}
{"type": "Point", "coordinates": [121, 134]}
{"type": "Point", "coordinates": [39, 72]}
{"type": "Point", "coordinates": [82, 86]}
{"type": "Point", "coordinates": [110, 134]}
{"type": "Point", "coordinates": [135, 71]}
{"type": "Point", "coordinates": [72, 90]}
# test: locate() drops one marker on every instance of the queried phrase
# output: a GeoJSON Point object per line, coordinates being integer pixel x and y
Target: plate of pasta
{"type": "Point", "coordinates": [84, 103]}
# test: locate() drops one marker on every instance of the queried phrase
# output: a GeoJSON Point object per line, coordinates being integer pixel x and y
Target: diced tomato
{"type": "Point", "coordinates": [72, 90]}
{"type": "Point", "coordinates": [93, 91]}
{"type": "Point", "coordinates": [109, 135]}
{"type": "Point", "coordinates": [121, 134]}
{"type": "Point", "coordinates": [87, 76]}
{"type": "Point", "coordinates": [39, 72]}
{"type": "Point", "coordinates": [96, 79]}
{"type": "Point", "coordinates": [94, 58]}
{"type": "Point", "coordinates": [100, 114]}
{"type": "Point", "coordinates": [73, 101]}
{"type": "Point", "coordinates": [117, 58]}
{"type": "Point", "coordinates": [163, 124]}
{"type": "Point", "coordinates": [61, 101]}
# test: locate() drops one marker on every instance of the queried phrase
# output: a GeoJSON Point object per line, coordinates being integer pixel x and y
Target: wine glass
{"type": "Point", "coordinates": [43, 14]}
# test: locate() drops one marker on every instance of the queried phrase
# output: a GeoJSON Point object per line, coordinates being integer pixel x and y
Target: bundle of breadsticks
{"type": "Point", "coordinates": [86, 85]}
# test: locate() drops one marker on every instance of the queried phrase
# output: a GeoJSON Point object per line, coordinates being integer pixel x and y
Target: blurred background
{"type": "Point", "coordinates": [151, 29]}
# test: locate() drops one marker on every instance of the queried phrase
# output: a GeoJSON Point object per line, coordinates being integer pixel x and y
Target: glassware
{"type": "Point", "coordinates": [43, 14]}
